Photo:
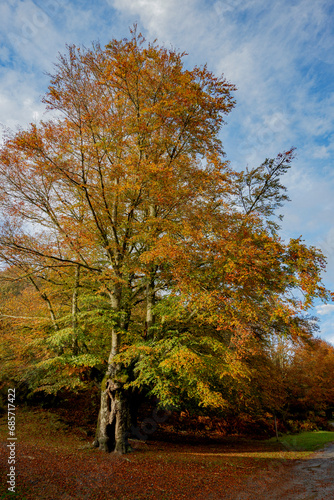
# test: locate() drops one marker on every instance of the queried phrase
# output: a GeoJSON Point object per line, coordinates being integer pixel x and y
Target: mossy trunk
{"type": "Point", "coordinates": [114, 417]}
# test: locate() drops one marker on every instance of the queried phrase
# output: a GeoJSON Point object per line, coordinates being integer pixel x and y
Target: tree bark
{"type": "Point", "coordinates": [150, 288]}
{"type": "Point", "coordinates": [75, 346]}
{"type": "Point", "coordinates": [275, 421]}
{"type": "Point", "coordinates": [150, 301]}
{"type": "Point", "coordinates": [49, 305]}
{"type": "Point", "coordinates": [114, 416]}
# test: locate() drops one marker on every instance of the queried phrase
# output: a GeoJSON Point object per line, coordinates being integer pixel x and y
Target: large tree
{"type": "Point", "coordinates": [125, 195]}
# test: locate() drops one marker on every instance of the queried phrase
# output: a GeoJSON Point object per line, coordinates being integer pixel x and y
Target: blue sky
{"type": "Point", "coordinates": [280, 56]}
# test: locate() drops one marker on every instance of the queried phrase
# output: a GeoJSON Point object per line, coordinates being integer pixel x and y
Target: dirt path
{"type": "Point", "coordinates": [307, 479]}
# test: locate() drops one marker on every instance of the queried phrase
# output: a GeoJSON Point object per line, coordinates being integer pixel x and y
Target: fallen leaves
{"type": "Point", "coordinates": [56, 465]}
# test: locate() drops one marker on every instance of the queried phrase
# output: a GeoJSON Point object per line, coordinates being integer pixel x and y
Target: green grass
{"type": "Point", "coordinates": [306, 441]}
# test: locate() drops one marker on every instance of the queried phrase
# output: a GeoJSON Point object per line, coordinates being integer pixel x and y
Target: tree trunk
{"type": "Point", "coordinates": [150, 302]}
{"type": "Point", "coordinates": [47, 300]}
{"type": "Point", "coordinates": [75, 346]}
{"type": "Point", "coordinates": [275, 421]}
{"type": "Point", "coordinates": [114, 416]}
{"type": "Point", "coordinates": [150, 289]}
{"type": "Point", "coordinates": [113, 421]}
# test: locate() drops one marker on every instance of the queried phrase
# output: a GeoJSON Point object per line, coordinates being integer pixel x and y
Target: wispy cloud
{"type": "Point", "coordinates": [280, 55]}
{"type": "Point", "coordinates": [325, 309]}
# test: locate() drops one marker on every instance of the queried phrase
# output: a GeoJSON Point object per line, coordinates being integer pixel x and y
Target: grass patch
{"type": "Point", "coordinates": [306, 441]}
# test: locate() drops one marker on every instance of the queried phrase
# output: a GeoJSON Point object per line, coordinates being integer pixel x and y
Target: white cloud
{"type": "Point", "coordinates": [325, 309]}
{"type": "Point", "coordinates": [156, 15]}
{"type": "Point", "coordinates": [326, 244]}
{"type": "Point", "coordinates": [327, 328]}
{"type": "Point", "coordinates": [32, 34]}
{"type": "Point", "coordinates": [321, 152]}
{"type": "Point", "coordinates": [330, 337]}
{"type": "Point", "coordinates": [267, 61]}
{"type": "Point", "coordinates": [19, 100]}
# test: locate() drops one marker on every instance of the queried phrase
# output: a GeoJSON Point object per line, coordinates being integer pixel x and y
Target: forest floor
{"type": "Point", "coordinates": [55, 461]}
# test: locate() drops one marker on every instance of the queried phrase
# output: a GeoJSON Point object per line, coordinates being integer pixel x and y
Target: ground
{"type": "Point", "coordinates": [53, 462]}
{"type": "Point", "coordinates": [306, 479]}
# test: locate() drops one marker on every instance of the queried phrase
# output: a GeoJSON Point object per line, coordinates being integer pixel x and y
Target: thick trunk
{"type": "Point", "coordinates": [114, 416]}
{"type": "Point", "coordinates": [114, 420]}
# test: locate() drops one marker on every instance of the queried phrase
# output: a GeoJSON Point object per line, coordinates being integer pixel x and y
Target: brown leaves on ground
{"type": "Point", "coordinates": [154, 471]}
{"type": "Point", "coordinates": [54, 463]}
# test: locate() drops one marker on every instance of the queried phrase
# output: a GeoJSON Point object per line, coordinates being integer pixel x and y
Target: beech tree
{"type": "Point", "coordinates": [124, 196]}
